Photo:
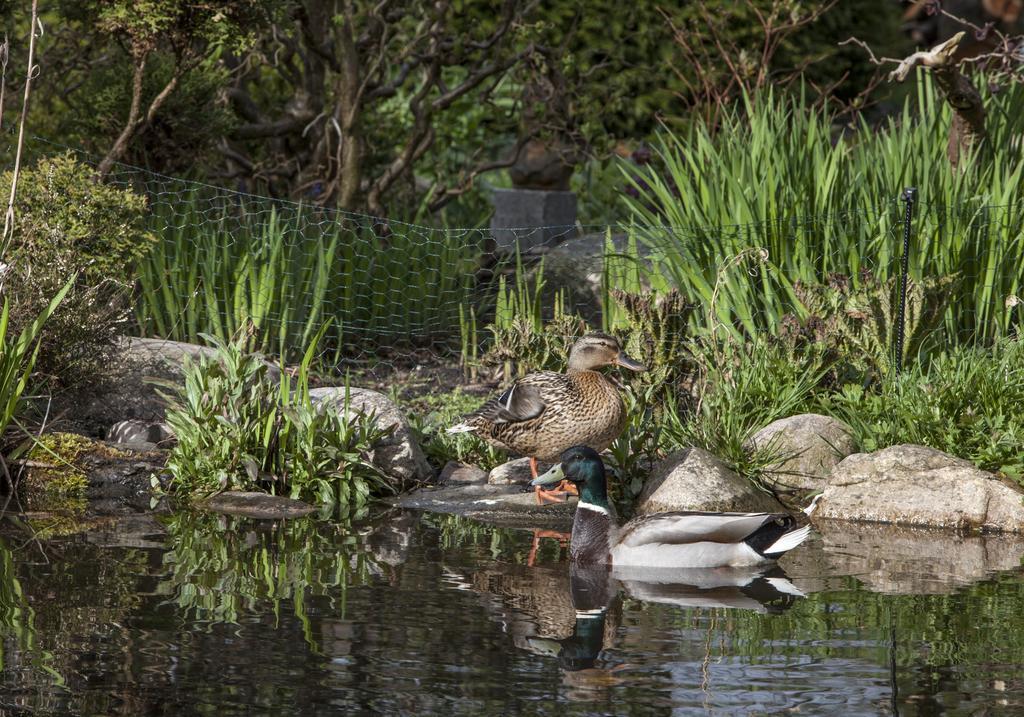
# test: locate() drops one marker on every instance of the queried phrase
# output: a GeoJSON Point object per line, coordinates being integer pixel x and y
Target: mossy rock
{"type": "Point", "coordinates": [67, 469]}
{"type": "Point", "coordinates": [55, 479]}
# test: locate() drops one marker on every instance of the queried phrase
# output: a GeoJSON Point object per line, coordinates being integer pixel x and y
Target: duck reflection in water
{"type": "Point", "coordinates": [596, 592]}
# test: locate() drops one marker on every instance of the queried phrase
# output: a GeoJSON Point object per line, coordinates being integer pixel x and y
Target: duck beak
{"type": "Point", "coordinates": [624, 360]}
{"type": "Point", "coordinates": [553, 476]}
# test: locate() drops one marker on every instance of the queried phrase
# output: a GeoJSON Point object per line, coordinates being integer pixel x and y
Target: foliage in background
{"type": "Point", "coordinates": [776, 178]}
{"type": "Point", "coordinates": [152, 48]}
{"type": "Point", "coordinates": [725, 49]}
{"type": "Point", "coordinates": [180, 139]}
{"type": "Point", "coordinates": [222, 263]}
{"type": "Point", "coordinates": [67, 225]}
{"type": "Point", "coordinates": [238, 429]}
{"type": "Point", "coordinates": [255, 93]}
{"type": "Point", "coordinates": [966, 402]}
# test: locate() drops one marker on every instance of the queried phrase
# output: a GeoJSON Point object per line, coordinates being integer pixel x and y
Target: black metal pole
{"type": "Point", "coordinates": [910, 198]}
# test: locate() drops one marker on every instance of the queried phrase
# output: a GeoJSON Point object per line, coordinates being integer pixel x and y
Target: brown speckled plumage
{"type": "Point", "coordinates": [545, 413]}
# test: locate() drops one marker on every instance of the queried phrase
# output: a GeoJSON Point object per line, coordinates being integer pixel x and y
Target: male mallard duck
{"type": "Point", "coordinates": [684, 539]}
{"type": "Point", "coordinates": [544, 413]}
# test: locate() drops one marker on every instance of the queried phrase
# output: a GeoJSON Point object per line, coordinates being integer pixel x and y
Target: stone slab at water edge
{"type": "Point", "coordinates": [515, 472]}
{"type": "Point", "coordinates": [505, 505]}
{"type": "Point", "coordinates": [256, 505]}
{"type": "Point", "coordinates": [919, 486]}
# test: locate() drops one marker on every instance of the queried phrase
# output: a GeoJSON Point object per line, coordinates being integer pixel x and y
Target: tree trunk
{"type": "Point", "coordinates": [136, 122]}
{"type": "Point", "coordinates": [967, 132]}
{"type": "Point", "coordinates": [968, 129]}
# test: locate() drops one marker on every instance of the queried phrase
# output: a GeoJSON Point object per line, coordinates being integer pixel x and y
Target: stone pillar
{"type": "Point", "coordinates": [529, 218]}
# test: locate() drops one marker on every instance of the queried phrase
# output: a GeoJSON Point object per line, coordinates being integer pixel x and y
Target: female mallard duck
{"type": "Point", "coordinates": [681, 539]}
{"type": "Point", "coordinates": [544, 413]}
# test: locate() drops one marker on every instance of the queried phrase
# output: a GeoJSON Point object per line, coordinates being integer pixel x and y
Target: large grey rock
{"type": "Point", "coordinates": [127, 392]}
{"type": "Point", "coordinates": [397, 455]}
{"type": "Point", "coordinates": [809, 445]}
{"type": "Point", "coordinates": [693, 479]}
{"type": "Point", "coordinates": [527, 218]}
{"type": "Point", "coordinates": [918, 486]}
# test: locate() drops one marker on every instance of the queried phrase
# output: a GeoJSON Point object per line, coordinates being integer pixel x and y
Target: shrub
{"type": "Point", "coordinates": [237, 430]}
{"type": "Point", "coordinates": [966, 403]}
{"type": "Point", "coordinates": [66, 225]}
{"type": "Point", "coordinates": [857, 322]}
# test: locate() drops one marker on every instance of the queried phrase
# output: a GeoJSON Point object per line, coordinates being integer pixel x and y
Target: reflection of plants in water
{"type": "Point", "coordinates": [15, 614]}
{"type": "Point", "coordinates": [507, 544]}
{"type": "Point", "coordinates": [969, 630]}
{"type": "Point", "coordinates": [17, 620]}
{"type": "Point", "coordinates": [222, 566]}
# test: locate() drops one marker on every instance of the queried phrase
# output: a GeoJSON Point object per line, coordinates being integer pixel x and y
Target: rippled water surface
{"type": "Point", "coordinates": [404, 613]}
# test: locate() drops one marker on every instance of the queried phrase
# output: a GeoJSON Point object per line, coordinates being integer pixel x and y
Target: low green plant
{"type": "Point", "coordinates": [741, 388]}
{"type": "Point", "coordinates": [238, 430]}
{"type": "Point", "coordinates": [17, 359]}
{"type": "Point", "coordinates": [633, 454]}
{"type": "Point", "coordinates": [431, 415]}
{"type": "Point", "coordinates": [966, 402]}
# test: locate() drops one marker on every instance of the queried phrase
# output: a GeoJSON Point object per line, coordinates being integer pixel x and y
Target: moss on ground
{"type": "Point", "coordinates": [55, 480]}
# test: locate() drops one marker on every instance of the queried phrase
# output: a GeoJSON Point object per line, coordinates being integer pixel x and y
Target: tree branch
{"type": "Point", "coordinates": [30, 73]}
{"type": "Point", "coordinates": [441, 197]}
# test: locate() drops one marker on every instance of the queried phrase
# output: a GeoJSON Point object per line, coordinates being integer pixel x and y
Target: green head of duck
{"type": "Point", "coordinates": [583, 467]}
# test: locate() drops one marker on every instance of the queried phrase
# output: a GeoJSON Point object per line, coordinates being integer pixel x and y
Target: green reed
{"type": "Point", "coordinates": [221, 264]}
{"type": "Point", "coordinates": [779, 177]}
{"type": "Point", "coordinates": [18, 355]}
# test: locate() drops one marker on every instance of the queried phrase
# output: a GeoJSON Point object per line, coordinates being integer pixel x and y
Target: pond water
{"type": "Point", "coordinates": [408, 613]}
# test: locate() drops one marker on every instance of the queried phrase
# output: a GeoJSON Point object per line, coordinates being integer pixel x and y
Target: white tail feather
{"type": "Point", "coordinates": [809, 510]}
{"type": "Point", "coordinates": [460, 428]}
{"type": "Point", "coordinates": [788, 541]}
